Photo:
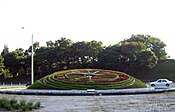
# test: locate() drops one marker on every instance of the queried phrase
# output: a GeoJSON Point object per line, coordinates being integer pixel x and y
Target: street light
{"type": "Point", "coordinates": [32, 62]}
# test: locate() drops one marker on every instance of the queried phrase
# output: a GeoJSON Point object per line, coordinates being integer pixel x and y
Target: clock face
{"type": "Point", "coordinates": [83, 79]}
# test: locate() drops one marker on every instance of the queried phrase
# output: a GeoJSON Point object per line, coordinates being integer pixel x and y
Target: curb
{"type": "Point", "coordinates": [85, 92]}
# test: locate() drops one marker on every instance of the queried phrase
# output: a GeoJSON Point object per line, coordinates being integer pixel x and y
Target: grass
{"type": "Point", "coordinates": [52, 82]}
{"type": "Point", "coordinates": [14, 105]}
{"type": "Point", "coordinates": [11, 86]}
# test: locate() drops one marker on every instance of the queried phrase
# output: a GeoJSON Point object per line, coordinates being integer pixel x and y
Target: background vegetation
{"type": "Point", "coordinates": [141, 56]}
{"type": "Point", "coordinates": [164, 69]}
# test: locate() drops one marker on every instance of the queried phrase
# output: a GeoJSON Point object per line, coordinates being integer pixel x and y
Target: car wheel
{"type": "Point", "coordinates": [153, 85]}
{"type": "Point", "coordinates": [167, 85]}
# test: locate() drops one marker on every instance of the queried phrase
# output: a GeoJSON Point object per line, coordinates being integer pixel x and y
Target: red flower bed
{"type": "Point", "coordinates": [102, 76]}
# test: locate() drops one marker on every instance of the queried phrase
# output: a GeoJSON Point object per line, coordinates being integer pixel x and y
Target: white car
{"type": "Point", "coordinates": [161, 83]}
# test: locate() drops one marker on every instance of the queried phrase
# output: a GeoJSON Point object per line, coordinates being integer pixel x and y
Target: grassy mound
{"type": "Point", "coordinates": [82, 79]}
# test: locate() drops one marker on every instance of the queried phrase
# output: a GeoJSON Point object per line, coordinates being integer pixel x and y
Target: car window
{"type": "Point", "coordinates": [159, 81]}
{"type": "Point", "coordinates": [164, 81]}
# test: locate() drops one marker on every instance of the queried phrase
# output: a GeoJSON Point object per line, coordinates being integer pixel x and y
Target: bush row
{"type": "Point", "coordinates": [14, 105]}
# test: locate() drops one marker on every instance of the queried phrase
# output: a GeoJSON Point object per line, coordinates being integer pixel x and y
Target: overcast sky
{"type": "Point", "coordinates": [109, 21]}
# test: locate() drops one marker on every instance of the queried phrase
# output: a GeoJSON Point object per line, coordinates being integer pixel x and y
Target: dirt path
{"type": "Point", "coordinates": [164, 102]}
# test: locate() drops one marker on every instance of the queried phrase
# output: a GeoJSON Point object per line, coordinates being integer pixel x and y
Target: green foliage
{"type": "Point", "coordinates": [37, 105]}
{"type": "Point", "coordinates": [22, 102]}
{"type": "Point", "coordinates": [7, 74]}
{"type": "Point", "coordinates": [30, 106]}
{"type": "Point", "coordinates": [154, 44]}
{"type": "Point", "coordinates": [162, 70]}
{"type": "Point", "coordinates": [4, 72]}
{"type": "Point", "coordinates": [147, 59]}
{"type": "Point", "coordinates": [13, 105]}
{"type": "Point", "coordinates": [5, 50]}
{"type": "Point", "coordinates": [35, 47]}
{"type": "Point", "coordinates": [132, 47]}
{"type": "Point", "coordinates": [63, 43]}
{"type": "Point", "coordinates": [138, 84]}
{"type": "Point", "coordinates": [126, 57]}
{"type": "Point", "coordinates": [1, 65]}
{"type": "Point", "coordinates": [15, 62]}
{"type": "Point", "coordinates": [134, 55]}
{"type": "Point", "coordinates": [84, 53]}
{"type": "Point", "coordinates": [50, 43]}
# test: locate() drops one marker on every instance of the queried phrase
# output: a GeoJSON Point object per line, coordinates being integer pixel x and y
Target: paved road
{"type": "Point", "coordinates": [164, 102]}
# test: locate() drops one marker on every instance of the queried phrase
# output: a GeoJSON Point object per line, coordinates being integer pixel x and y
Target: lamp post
{"type": "Point", "coordinates": [32, 64]}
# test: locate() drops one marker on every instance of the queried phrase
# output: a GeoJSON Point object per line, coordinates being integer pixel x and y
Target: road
{"type": "Point", "coordinates": [159, 102]}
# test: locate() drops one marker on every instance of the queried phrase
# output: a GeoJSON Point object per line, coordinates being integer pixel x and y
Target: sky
{"type": "Point", "coordinates": [109, 21]}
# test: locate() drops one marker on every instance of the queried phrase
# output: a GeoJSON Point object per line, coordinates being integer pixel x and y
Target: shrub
{"type": "Point", "coordinates": [30, 106]}
{"type": "Point", "coordinates": [22, 102]}
{"type": "Point", "coordinates": [13, 105]}
{"type": "Point", "coordinates": [37, 105]}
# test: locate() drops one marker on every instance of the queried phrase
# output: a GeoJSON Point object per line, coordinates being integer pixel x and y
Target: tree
{"type": "Point", "coordinates": [63, 42]}
{"type": "Point", "coordinates": [152, 43]}
{"type": "Point", "coordinates": [84, 54]}
{"type": "Point", "coordinates": [94, 47]}
{"type": "Point", "coordinates": [127, 57]}
{"type": "Point", "coordinates": [4, 72]}
{"type": "Point", "coordinates": [50, 43]}
{"type": "Point", "coordinates": [7, 73]}
{"type": "Point", "coordinates": [158, 47]}
{"type": "Point", "coordinates": [137, 55]}
{"type": "Point", "coordinates": [14, 61]}
{"type": "Point", "coordinates": [131, 49]}
{"type": "Point", "coordinates": [36, 46]}
{"type": "Point", "coordinates": [5, 50]}
{"type": "Point", "coordinates": [1, 65]}
{"type": "Point", "coordinates": [146, 59]}
{"type": "Point", "coordinates": [78, 54]}
{"type": "Point", "coordinates": [110, 57]}
{"type": "Point", "coordinates": [52, 58]}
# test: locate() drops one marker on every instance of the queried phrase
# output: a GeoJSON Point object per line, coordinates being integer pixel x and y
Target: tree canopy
{"type": "Point", "coordinates": [127, 57]}
{"type": "Point", "coordinates": [152, 43]}
{"type": "Point", "coordinates": [139, 52]}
